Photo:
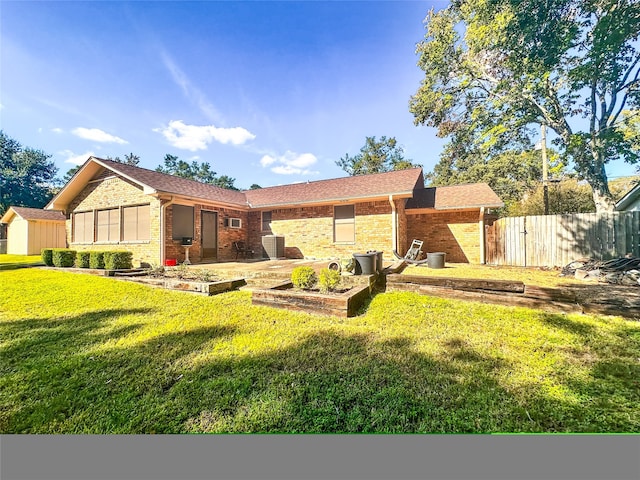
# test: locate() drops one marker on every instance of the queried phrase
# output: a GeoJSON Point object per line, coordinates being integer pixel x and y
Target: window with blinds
{"type": "Point", "coordinates": [182, 221]}
{"type": "Point", "coordinates": [83, 227]}
{"type": "Point", "coordinates": [108, 225]}
{"type": "Point", "coordinates": [136, 223]}
{"type": "Point", "coordinates": [344, 224]}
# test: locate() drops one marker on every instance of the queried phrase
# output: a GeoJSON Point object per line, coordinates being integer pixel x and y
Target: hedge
{"type": "Point", "coordinates": [117, 260]}
{"type": "Point", "coordinates": [63, 257]}
{"type": "Point", "coordinates": [304, 277]}
{"type": "Point", "coordinates": [96, 259]}
{"type": "Point", "coordinates": [47, 256]}
{"type": "Point", "coordinates": [82, 259]}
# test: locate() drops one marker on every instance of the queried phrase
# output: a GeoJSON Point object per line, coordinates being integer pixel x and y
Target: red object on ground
{"type": "Point", "coordinates": [170, 262]}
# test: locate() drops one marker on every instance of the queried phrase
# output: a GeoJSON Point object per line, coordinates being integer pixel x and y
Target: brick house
{"type": "Point", "coordinates": [110, 205]}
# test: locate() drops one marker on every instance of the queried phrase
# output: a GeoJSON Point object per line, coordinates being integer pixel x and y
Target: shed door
{"type": "Point", "coordinates": [209, 235]}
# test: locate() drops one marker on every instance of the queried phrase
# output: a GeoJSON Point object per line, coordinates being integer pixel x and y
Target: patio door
{"type": "Point", "coordinates": [209, 235]}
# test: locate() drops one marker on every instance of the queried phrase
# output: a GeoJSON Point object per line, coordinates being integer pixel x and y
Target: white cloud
{"type": "Point", "coordinates": [75, 159]}
{"type": "Point", "coordinates": [290, 163]}
{"type": "Point", "coordinates": [97, 135]}
{"type": "Point", "coordinates": [198, 137]}
{"type": "Point", "coordinates": [57, 130]}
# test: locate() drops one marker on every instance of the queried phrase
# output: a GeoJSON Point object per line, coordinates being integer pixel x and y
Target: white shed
{"type": "Point", "coordinates": [29, 230]}
{"type": "Point", "coordinates": [631, 201]}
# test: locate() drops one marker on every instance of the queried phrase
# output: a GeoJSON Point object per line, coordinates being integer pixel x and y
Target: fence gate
{"type": "Point", "coordinates": [556, 240]}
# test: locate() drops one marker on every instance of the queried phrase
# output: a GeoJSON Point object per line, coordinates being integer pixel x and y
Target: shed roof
{"type": "Point", "coordinates": [628, 198]}
{"type": "Point", "coordinates": [472, 195]}
{"type": "Point", "coordinates": [28, 213]}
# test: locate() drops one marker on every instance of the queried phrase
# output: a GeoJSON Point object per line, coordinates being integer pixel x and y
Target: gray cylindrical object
{"type": "Point", "coordinates": [365, 263]}
{"type": "Point", "coordinates": [378, 259]}
{"type": "Point", "coordinates": [435, 259]}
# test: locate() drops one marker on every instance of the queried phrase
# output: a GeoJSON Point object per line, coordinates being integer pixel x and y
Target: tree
{"type": "Point", "coordinates": [26, 175]}
{"type": "Point", "coordinates": [565, 196]}
{"type": "Point", "coordinates": [200, 172]}
{"type": "Point", "coordinates": [129, 159]}
{"type": "Point", "coordinates": [255, 186]}
{"type": "Point", "coordinates": [495, 70]}
{"type": "Point", "coordinates": [70, 173]}
{"type": "Point", "coordinates": [510, 174]}
{"type": "Point", "coordinates": [376, 157]}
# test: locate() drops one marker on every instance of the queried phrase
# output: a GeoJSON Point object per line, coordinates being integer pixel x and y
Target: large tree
{"type": "Point", "coordinates": [376, 157]}
{"type": "Point", "coordinates": [200, 172]}
{"type": "Point", "coordinates": [27, 176]}
{"type": "Point", "coordinates": [495, 70]}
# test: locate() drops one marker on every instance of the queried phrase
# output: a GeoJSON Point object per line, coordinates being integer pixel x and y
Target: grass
{"type": "Point", "coordinates": [530, 276]}
{"type": "Point", "coordinates": [10, 262]}
{"type": "Point", "coordinates": [87, 354]}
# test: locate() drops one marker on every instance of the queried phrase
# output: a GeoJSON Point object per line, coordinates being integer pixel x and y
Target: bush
{"type": "Point", "coordinates": [82, 259]}
{"type": "Point", "coordinates": [63, 257]}
{"type": "Point", "coordinates": [47, 256]}
{"type": "Point", "coordinates": [96, 259]}
{"type": "Point", "coordinates": [329, 280]}
{"type": "Point", "coordinates": [304, 277]}
{"type": "Point", "coordinates": [117, 260]}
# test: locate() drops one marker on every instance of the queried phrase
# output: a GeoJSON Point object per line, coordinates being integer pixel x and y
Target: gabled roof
{"type": "Point", "coordinates": [399, 183]}
{"type": "Point", "coordinates": [150, 181]}
{"type": "Point", "coordinates": [28, 213]}
{"type": "Point", "coordinates": [628, 198]}
{"type": "Point", "coordinates": [472, 195]}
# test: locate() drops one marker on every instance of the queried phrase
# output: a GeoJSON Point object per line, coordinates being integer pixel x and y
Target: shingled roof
{"type": "Point", "coordinates": [472, 195]}
{"type": "Point", "coordinates": [32, 214]}
{"type": "Point", "coordinates": [164, 183]}
{"type": "Point", "coordinates": [401, 183]}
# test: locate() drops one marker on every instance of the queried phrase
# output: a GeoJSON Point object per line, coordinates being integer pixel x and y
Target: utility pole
{"type": "Point", "coordinates": [545, 169]}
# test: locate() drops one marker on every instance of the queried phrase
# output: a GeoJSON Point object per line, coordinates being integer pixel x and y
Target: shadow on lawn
{"type": "Point", "coordinates": [328, 383]}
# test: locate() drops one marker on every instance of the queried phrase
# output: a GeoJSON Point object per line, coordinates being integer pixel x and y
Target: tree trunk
{"type": "Point", "coordinates": [597, 179]}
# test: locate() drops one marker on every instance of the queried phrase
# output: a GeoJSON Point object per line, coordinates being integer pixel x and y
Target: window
{"type": "Point", "coordinates": [135, 223]}
{"type": "Point", "coordinates": [83, 227]}
{"type": "Point", "coordinates": [266, 221]}
{"type": "Point", "coordinates": [344, 225]}
{"type": "Point", "coordinates": [182, 223]}
{"type": "Point", "coordinates": [108, 225]}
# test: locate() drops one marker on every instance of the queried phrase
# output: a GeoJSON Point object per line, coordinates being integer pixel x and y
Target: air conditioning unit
{"type": "Point", "coordinates": [273, 246]}
{"type": "Point", "coordinates": [233, 222]}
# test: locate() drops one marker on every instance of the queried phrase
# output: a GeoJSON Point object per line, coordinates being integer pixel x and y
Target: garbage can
{"type": "Point", "coordinates": [365, 263]}
{"type": "Point", "coordinates": [378, 260]}
{"type": "Point", "coordinates": [435, 259]}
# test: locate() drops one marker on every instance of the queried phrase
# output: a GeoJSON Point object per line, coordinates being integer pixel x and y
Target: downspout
{"type": "Point", "coordinates": [163, 210]}
{"type": "Point", "coordinates": [483, 239]}
{"type": "Point", "coordinates": [394, 224]}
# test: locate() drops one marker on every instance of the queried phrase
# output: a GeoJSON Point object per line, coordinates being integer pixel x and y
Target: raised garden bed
{"type": "Point", "coordinates": [283, 295]}
{"type": "Point", "coordinates": [206, 288]}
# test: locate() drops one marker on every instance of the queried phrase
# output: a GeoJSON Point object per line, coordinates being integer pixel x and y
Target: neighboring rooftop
{"type": "Point", "coordinates": [472, 195]}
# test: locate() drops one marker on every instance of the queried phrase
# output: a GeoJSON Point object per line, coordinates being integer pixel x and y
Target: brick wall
{"type": "Point", "coordinates": [226, 234]}
{"type": "Point", "coordinates": [456, 233]}
{"type": "Point", "coordinates": [308, 231]}
{"type": "Point", "coordinates": [113, 191]}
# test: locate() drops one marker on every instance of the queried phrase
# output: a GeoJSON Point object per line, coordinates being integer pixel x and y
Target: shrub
{"type": "Point", "coordinates": [117, 260]}
{"type": "Point", "coordinates": [304, 277]}
{"type": "Point", "coordinates": [96, 259]}
{"type": "Point", "coordinates": [63, 257]}
{"type": "Point", "coordinates": [82, 259]}
{"type": "Point", "coordinates": [329, 280]}
{"type": "Point", "coordinates": [47, 256]}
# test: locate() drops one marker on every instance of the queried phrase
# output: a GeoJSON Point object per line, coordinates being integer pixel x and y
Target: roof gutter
{"type": "Point", "coordinates": [394, 224]}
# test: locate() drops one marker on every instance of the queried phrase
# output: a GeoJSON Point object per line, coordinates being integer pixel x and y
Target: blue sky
{"type": "Point", "coordinates": [266, 92]}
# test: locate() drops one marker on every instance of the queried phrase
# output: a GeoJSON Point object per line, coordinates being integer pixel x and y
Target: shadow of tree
{"type": "Point", "coordinates": [329, 382]}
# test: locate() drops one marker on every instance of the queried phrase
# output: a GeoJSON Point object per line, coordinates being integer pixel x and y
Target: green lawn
{"type": "Point", "coordinates": [89, 354]}
{"type": "Point", "coordinates": [9, 262]}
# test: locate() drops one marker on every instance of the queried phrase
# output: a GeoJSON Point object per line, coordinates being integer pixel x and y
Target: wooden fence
{"type": "Point", "coordinates": [557, 240]}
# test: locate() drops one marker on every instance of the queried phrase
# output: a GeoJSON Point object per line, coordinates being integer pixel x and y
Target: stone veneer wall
{"type": "Point", "coordinates": [109, 191]}
{"type": "Point", "coordinates": [308, 231]}
{"type": "Point", "coordinates": [456, 233]}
